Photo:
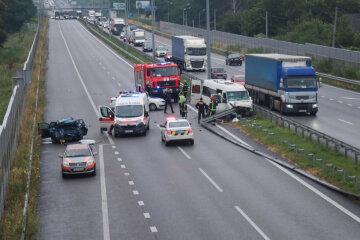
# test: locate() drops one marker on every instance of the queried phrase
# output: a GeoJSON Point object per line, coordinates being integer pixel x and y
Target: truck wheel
{"type": "Point", "coordinates": [282, 112]}
{"type": "Point", "coordinates": [271, 104]}
{"type": "Point", "coordinates": [313, 113]}
{"type": "Point", "coordinates": [184, 66]}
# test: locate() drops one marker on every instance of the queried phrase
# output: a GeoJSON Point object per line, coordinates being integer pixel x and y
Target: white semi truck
{"type": "Point", "coordinates": [189, 53]}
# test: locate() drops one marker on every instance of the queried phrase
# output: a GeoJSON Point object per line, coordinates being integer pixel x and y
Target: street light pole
{"type": "Point", "coordinates": [208, 41]}
{"type": "Point", "coordinates": [126, 24]}
{"type": "Point", "coordinates": [152, 28]}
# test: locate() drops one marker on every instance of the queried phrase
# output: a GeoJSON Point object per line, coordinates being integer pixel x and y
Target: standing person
{"type": "Point", "coordinates": [212, 106]}
{"type": "Point", "coordinates": [168, 100]}
{"type": "Point", "coordinates": [112, 125]}
{"type": "Point", "coordinates": [202, 107]}
{"type": "Point", "coordinates": [185, 89]}
{"type": "Point", "coordinates": [181, 101]}
{"type": "Point", "coordinates": [184, 110]}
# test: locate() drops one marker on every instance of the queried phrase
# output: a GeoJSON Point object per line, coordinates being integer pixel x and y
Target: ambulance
{"type": "Point", "coordinates": [129, 115]}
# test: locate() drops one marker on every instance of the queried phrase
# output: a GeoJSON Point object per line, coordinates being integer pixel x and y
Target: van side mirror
{"type": "Point", "coordinates": [146, 114]}
{"type": "Point", "coordinates": [320, 82]}
{"type": "Point", "coordinates": [161, 125]}
{"type": "Point", "coordinates": [60, 156]}
{"type": "Point", "coordinates": [281, 82]}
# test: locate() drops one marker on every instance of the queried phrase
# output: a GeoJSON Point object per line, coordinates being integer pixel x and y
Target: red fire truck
{"type": "Point", "coordinates": [156, 78]}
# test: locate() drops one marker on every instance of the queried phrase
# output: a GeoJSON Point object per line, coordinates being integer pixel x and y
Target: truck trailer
{"type": "Point", "coordinates": [189, 53]}
{"type": "Point", "coordinates": [282, 82]}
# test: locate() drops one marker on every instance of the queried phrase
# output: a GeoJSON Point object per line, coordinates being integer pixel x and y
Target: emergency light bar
{"type": "Point", "coordinates": [170, 118]}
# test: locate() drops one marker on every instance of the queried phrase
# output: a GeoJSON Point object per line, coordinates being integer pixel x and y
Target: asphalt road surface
{"type": "Point", "coordinates": [339, 109]}
{"type": "Point", "coordinates": [145, 190]}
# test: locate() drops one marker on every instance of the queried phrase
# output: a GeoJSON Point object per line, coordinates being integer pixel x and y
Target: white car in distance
{"type": "Point", "coordinates": [176, 130]}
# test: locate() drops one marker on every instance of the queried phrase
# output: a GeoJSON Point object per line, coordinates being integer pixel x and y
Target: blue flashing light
{"type": "Point", "coordinates": [158, 87]}
{"type": "Point", "coordinates": [162, 63]}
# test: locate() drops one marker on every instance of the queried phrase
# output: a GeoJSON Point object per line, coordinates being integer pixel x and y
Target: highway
{"type": "Point", "coordinates": [339, 109]}
{"type": "Point", "coordinates": [144, 190]}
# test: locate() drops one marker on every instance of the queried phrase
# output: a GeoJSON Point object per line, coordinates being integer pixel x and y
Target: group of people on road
{"type": "Point", "coordinates": [202, 107]}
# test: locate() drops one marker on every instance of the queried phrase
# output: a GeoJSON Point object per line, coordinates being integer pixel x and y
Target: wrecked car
{"type": "Point", "coordinates": [66, 130]}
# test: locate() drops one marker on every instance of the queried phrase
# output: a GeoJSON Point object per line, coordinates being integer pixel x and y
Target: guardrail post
{"type": "Point", "coordinates": [318, 138]}
{"type": "Point", "coordinates": [312, 155]}
{"type": "Point", "coordinates": [330, 165]}
{"type": "Point", "coordinates": [342, 172]}
{"type": "Point", "coordinates": [336, 147]}
{"type": "Point", "coordinates": [273, 135]}
{"type": "Point", "coordinates": [355, 181]}
{"type": "Point", "coordinates": [301, 150]}
{"type": "Point", "coordinates": [322, 163]}
{"type": "Point", "coordinates": [302, 132]}
{"type": "Point", "coordinates": [346, 150]}
{"type": "Point", "coordinates": [356, 158]}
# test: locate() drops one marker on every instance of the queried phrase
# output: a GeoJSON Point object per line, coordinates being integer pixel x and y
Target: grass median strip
{"type": "Point", "coordinates": [11, 222]}
{"type": "Point", "coordinates": [320, 169]}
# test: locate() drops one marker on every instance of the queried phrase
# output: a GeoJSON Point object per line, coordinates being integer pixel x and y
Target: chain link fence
{"type": "Point", "coordinates": [12, 119]}
{"type": "Point", "coordinates": [268, 45]}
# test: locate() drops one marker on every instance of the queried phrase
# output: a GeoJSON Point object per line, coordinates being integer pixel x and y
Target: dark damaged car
{"type": "Point", "coordinates": [217, 73]}
{"type": "Point", "coordinates": [66, 130]}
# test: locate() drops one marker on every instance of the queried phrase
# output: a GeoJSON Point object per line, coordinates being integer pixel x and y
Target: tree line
{"type": "Point", "coordinates": [13, 14]}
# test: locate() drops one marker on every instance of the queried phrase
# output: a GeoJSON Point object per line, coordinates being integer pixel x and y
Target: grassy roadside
{"type": "Point", "coordinates": [321, 152]}
{"type": "Point", "coordinates": [11, 224]}
{"type": "Point", "coordinates": [12, 58]}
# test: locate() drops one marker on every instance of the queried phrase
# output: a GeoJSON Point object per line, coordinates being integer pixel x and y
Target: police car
{"type": "Point", "coordinates": [176, 130]}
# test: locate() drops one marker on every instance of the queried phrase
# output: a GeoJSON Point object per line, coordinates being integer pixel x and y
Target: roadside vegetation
{"type": "Point", "coordinates": [329, 155]}
{"type": "Point", "coordinates": [11, 222]}
{"type": "Point", "coordinates": [13, 54]}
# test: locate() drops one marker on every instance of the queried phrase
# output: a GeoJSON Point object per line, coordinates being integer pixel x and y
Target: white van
{"type": "Point", "coordinates": [129, 116]}
{"type": "Point", "coordinates": [229, 95]}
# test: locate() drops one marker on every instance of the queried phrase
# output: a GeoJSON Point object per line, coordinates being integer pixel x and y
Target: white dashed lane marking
{"type": "Point", "coordinates": [113, 146]}
{"type": "Point", "coordinates": [141, 203]}
{"type": "Point", "coordinates": [153, 229]}
{"type": "Point", "coordinates": [127, 174]}
{"type": "Point", "coordinates": [185, 154]}
{"type": "Point", "coordinates": [123, 166]}
{"type": "Point", "coordinates": [135, 192]}
{"type": "Point", "coordinates": [341, 120]}
{"type": "Point", "coordinates": [131, 182]}
{"type": "Point", "coordinates": [119, 159]}
{"type": "Point", "coordinates": [252, 223]}
{"type": "Point", "coordinates": [116, 153]}
{"type": "Point", "coordinates": [113, 78]}
{"type": "Point", "coordinates": [211, 180]}
{"type": "Point", "coordinates": [146, 215]}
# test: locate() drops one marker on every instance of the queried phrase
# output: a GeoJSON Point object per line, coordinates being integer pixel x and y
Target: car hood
{"type": "Point", "coordinates": [78, 159]}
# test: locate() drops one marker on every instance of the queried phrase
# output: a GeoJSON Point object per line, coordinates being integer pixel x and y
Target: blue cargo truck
{"type": "Point", "coordinates": [282, 82]}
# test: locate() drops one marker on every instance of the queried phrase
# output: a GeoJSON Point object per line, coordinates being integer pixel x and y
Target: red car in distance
{"type": "Point", "coordinates": [239, 79]}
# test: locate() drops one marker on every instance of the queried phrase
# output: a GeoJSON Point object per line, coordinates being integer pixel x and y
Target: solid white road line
{"type": "Point", "coordinates": [210, 180]}
{"type": "Point", "coordinates": [182, 150]}
{"type": "Point", "coordinates": [341, 120]}
{"type": "Point", "coordinates": [104, 202]}
{"type": "Point", "coordinates": [233, 136]}
{"type": "Point", "coordinates": [81, 80]}
{"type": "Point", "coordinates": [320, 194]}
{"type": "Point", "coordinates": [252, 223]}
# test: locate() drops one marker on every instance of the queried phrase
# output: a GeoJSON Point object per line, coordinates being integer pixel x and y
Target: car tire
{"type": "Point", "coordinates": [152, 106]}
{"type": "Point", "coordinates": [116, 134]}
{"type": "Point", "coordinates": [94, 173]}
{"type": "Point", "coordinates": [226, 63]}
{"type": "Point", "coordinates": [144, 133]}
{"type": "Point", "coordinates": [148, 127]}
{"type": "Point", "coordinates": [192, 142]}
{"type": "Point", "coordinates": [63, 174]}
{"type": "Point", "coordinates": [166, 143]}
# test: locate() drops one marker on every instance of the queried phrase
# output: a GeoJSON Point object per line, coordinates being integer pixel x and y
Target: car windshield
{"type": "Point", "coordinates": [161, 49]}
{"type": "Point", "coordinates": [196, 51]}
{"type": "Point", "coordinates": [301, 82]}
{"type": "Point", "coordinates": [77, 152]}
{"type": "Point", "coordinates": [140, 37]}
{"type": "Point", "coordinates": [147, 44]}
{"type": "Point", "coordinates": [218, 70]}
{"type": "Point", "coordinates": [178, 124]}
{"type": "Point", "coordinates": [128, 111]}
{"type": "Point", "coordinates": [237, 96]}
{"type": "Point", "coordinates": [239, 79]}
{"type": "Point", "coordinates": [165, 71]}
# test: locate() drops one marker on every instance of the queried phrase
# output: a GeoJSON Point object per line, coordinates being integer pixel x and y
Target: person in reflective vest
{"type": "Point", "coordinates": [181, 100]}
{"type": "Point", "coordinates": [202, 107]}
{"type": "Point", "coordinates": [212, 106]}
{"type": "Point", "coordinates": [184, 109]}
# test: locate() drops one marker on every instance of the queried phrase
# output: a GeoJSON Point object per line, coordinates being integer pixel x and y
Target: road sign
{"type": "Point", "coordinates": [119, 6]}
{"type": "Point", "coordinates": [130, 15]}
{"type": "Point", "coordinates": [142, 4]}
{"type": "Point", "coordinates": [148, 8]}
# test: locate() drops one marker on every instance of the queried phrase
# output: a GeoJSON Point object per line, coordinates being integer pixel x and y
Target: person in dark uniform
{"type": "Point", "coordinates": [201, 106]}
{"type": "Point", "coordinates": [112, 125]}
{"type": "Point", "coordinates": [167, 97]}
{"type": "Point", "coordinates": [185, 89]}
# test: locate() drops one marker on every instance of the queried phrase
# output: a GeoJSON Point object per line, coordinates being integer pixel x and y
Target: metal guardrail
{"type": "Point", "coordinates": [339, 79]}
{"type": "Point", "coordinates": [12, 119]}
{"type": "Point", "coordinates": [299, 127]}
{"type": "Point", "coordinates": [328, 140]}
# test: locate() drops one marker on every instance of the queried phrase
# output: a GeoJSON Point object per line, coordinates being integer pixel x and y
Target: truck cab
{"type": "Point", "coordinates": [156, 78]}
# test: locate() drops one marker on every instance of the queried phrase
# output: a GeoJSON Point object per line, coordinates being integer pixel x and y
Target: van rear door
{"type": "Point", "coordinates": [106, 119]}
{"type": "Point", "coordinates": [196, 90]}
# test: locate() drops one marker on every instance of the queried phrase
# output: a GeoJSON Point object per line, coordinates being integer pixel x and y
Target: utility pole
{"type": "Point", "coordinates": [234, 5]}
{"type": "Point", "coordinates": [266, 17]}
{"type": "Point", "coordinates": [215, 19]}
{"type": "Point", "coordinates": [126, 24]}
{"type": "Point", "coordinates": [334, 31]}
{"type": "Point", "coordinates": [152, 28]}
{"type": "Point", "coordinates": [208, 41]}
